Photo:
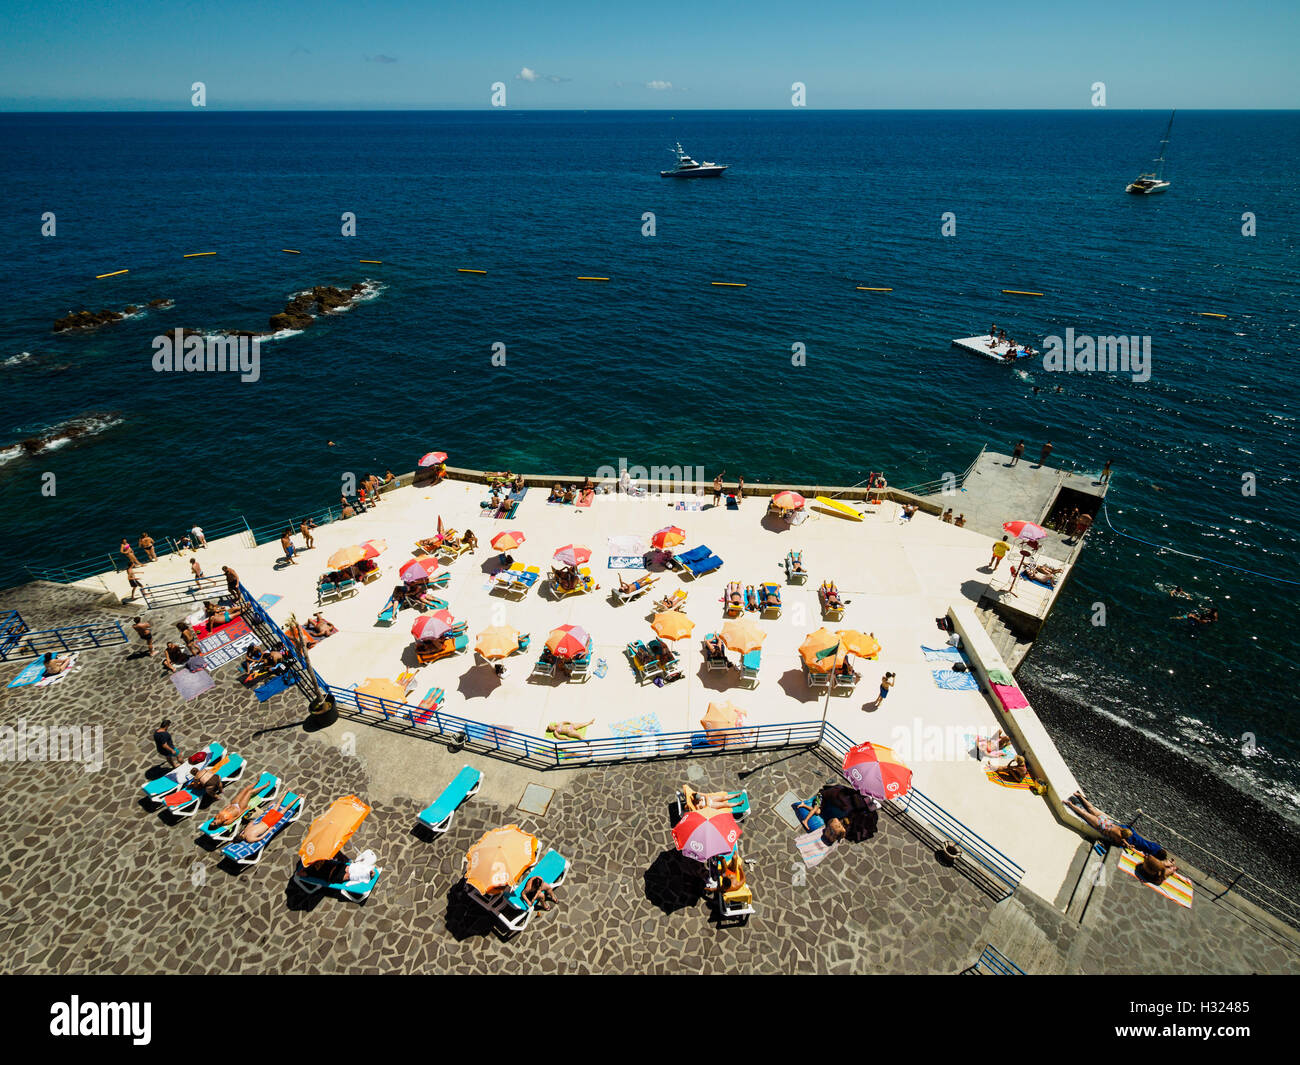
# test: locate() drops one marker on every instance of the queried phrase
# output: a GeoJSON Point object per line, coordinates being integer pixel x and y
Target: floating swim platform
{"type": "Point", "coordinates": [837, 507]}
{"type": "Point", "coordinates": [980, 346]}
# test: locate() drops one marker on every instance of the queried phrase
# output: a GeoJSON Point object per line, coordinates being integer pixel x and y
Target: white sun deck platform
{"type": "Point", "coordinates": [987, 348]}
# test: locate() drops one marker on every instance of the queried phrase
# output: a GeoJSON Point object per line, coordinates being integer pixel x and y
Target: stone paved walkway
{"type": "Point", "coordinates": [91, 882]}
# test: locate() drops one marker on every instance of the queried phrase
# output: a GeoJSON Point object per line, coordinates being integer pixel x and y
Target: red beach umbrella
{"type": "Point", "coordinates": [573, 554]}
{"type": "Point", "coordinates": [704, 834]}
{"type": "Point", "coordinates": [669, 536]}
{"type": "Point", "coordinates": [788, 500]}
{"type": "Point", "coordinates": [876, 771]}
{"type": "Point", "coordinates": [507, 541]}
{"type": "Point", "coordinates": [431, 626]}
{"type": "Point", "coordinates": [568, 641]}
{"type": "Point", "coordinates": [1025, 530]}
{"type": "Point", "coordinates": [418, 569]}
{"type": "Point", "coordinates": [433, 458]}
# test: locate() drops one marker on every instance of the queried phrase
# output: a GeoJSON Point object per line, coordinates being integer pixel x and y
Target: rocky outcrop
{"type": "Point", "coordinates": [305, 306]}
{"type": "Point", "coordinates": [84, 321]}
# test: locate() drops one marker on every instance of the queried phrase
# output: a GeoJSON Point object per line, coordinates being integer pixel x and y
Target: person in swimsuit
{"type": "Point", "coordinates": [536, 893]}
{"type": "Point", "coordinates": [568, 730]}
{"type": "Point", "coordinates": [716, 800]}
{"type": "Point", "coordinates": [809, 814]}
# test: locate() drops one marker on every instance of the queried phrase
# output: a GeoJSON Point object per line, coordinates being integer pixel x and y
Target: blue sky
{"type": "Point", "coordinates": [145, 54]}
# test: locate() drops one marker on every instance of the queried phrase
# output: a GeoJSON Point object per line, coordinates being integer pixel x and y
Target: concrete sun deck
{"type": "Point", "coordinates": [897, 576]}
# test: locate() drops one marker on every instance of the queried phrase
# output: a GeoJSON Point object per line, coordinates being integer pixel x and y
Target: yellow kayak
{"type": "Point", "coordinates": [837, 507]}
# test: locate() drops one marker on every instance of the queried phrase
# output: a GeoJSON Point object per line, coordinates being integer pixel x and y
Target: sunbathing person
{"type": "Point", "coordinates": [228, 815]}
{"type": "Point", "coordinates": [733, 596]}
{"type": "Point", "coordinates": [831, 597]}
{"type": "Point", "coordinates": [189, 636]}
{"type": "Point", "coordinates": [909, 511]}
{"type": "Point", "coordinates": [992, 746]}
{"type": "Point", "coordinates": [769, 595]}
{"type": "Point", "coordinates": [568, 730]}
{"type": "Point", "coordinates": [714, 649]}
{"type": "Point", "coordinates": [54, 665]}
{"type": "Point", "coordinates": [1111, 831]}
{"type": "Point", "coordinates": [536, 893]}
{"type": "Point", "coordinates": [568, 494]}
{"type": "Point", "coordinates": [834, 831]}
{"type": "Point", "coordinates": [715, 800]}
{"type": "Point", "coordinates": [796, 563]}
{"type": "Point", "coordinates": [635, 586]}
{"type": "Point", "coordinates": [557, 493]}
{"type": "Point", "coordinates": [1015, 770]}
{"type": "Point", "coordinates": [319, 627]}
{"type": "Point", "coordinates": [470, 540]}
{"type": "Point", "coordinates": [1158, 867]}
{"type": "Point", "coordinates": [810, 815]}
{"type": "Point", "coordinates": [586, 495]}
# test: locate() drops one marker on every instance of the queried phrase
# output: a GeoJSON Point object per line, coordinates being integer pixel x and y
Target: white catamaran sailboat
{"type": "Point", "coordinates": [1146, 184]}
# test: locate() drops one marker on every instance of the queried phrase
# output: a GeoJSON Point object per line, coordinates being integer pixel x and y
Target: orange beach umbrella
{"type": "Point", "coordinates": [742, 636]}
{"type": "Point", "coordinates": [668, 536]}
{"type": "Point", "coordinates": [332, 829]}
{"type": "Point", "coordinates": [507, 541]}
{"type": "Point", "coordinates": [822, 651]}
{"type": "Point", "coordinates": [382, 688]}
{"type": "Point", "coordinates": [671, 625]}
{"type": "Point", "coordinates": [859, 643]}
{"type": "Point", "coordinates": [500, 858]}
{"type": "Point", "coordinates": [497, 641]}
{"type": "Point", "coordinates": [788, 500]}
{"type": "Point", "coordinates": [347, 556]}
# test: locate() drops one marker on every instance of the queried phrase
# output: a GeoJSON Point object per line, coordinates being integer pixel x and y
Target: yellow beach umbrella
{"type": "Point", "coordinates": [671, 625]}
{"type": "Point", "coordinates": [742, 636]}
{"type": "Point", "coordinates": [822, 651]}
{"type": "Point", "coordinates": [499, 859]}
{"type": "Point", "coordinates": [382, 688]}
{"type": "Point", "coordinates": [347, 556]}
{"type": "Point", "coordinates": [497, 641]}
{"type": "Point", "coordinates": [719, 719]}
{"type": "Point", "coordinates": [330, 831]}
{"type": "Point", "coordinates": [859, 643]}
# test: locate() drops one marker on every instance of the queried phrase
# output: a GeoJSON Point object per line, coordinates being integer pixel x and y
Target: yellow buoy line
{"type": "Point", "coordinates": [198, 254]}
{"type": "Point", "coordinates": [1018, 292]}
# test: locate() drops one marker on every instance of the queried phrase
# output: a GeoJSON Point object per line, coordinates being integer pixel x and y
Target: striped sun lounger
{"type": "Point", "coordinates": [1177, 887]}
{"type": "Point", "coordinates": [279, 817]}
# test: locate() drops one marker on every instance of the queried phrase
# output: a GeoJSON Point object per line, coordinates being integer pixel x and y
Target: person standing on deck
{"type": "Point", "coordinates": [1105, 473]}
{"type": "Point", "coordinates": [162, 739]}
{"type": "Point", "coordinates": [1000, 550]}
{"type": "Point", "coordinates": [196, 569]}
{"type": "Point", "coordinates": [145, 631]}
{"type": "Point", "coordinates": [146, 541]}
{"type": "Point", "coordinates": [232, 581]}
{"type": "Point", "coordinates": [133, 579]}
{"type": "Point", "coordinates": [129, 552]}
{"type": "Point", "coordinates": [717, 490]}
{"type": "Point", "coordinates": [740, 490]}
{"type": "Point", "coordinates": [305, 528]}
{"type": "Point", "coordinates": [286, 545]}
{"type": "Point", "coordinates": [1047, 450]}
{"type": "Point", "coordinates": [1017, 451]}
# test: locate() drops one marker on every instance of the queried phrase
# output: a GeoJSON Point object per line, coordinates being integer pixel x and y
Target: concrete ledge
{"type": "Point", "coordinates": [1022, 725]}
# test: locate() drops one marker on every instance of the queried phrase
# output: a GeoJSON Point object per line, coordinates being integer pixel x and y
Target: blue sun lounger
{"type": "Point", "coordinates": [285, 813]}
{"type": "Point", "coordinates": [438, 814]}
{"type": "Point", "coordinates": [749, 667]}
{"type": "Point", "coordinates": [552, 868]}
{"type": "Point", "coordinates": [389, 614]}
{"type": "Point", "coordinates": [267, 786]}
{"type": "Point", "coordinates": [707, 563]}
{"type": "Point", "coordinates": [358, 891]}
{"type": "Point", "coordinates": [184, 801]}
{"type": "Point", "coordinates": [681, 561]}
{"type": "Point", "coordinates": [155, 789]}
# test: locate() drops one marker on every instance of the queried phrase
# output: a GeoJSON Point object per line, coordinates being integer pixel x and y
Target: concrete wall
{"type": "Point", "coordinates": [1023, 725]}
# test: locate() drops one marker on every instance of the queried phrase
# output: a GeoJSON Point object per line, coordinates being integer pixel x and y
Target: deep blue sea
{"type": "Point", "coordinates": [658, 367]}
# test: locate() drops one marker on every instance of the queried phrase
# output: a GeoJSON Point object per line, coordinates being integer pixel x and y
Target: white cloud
{"type": "Point", "coordinates": [527, 74]}
{"type": "Point", "coordinates": [659, 85]}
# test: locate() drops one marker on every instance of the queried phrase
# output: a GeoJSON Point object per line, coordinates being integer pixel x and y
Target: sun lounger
{"type": "Point", "coordinates": [184, 801]}
{"type": "Point", "coordinates": [357, 891]}
{"type": "Point", "coordinates": [268, 785]}
{"type": "Point", "coordinates": [278, 818]}
{"type": "Point", "coordinates": [155, 789]}
{"type": "Point", "coordinates": [767, 592]}
{"type": "Point", "coordinates": [732, 603]}
{"type": "Point", "coordinates": [675, 601]}
{"type": "Point", "coordinates": [846, 682]}
{"type": "Point", "coordinates": [830, 610]}
{"type": "Point", "coordinates": [544, 666]}
{"type": "Point", "coordinates": [637, 589]}
{"type": "Point", "coordinates": [438, 814]}
{"type": "Point", "coordinates": [552, 868]}
{"type": "Point", "coordinates": [459, 645]}
{"type": "Point", "coordinates": [661, 652]}
{"type": "Point", "coordinates": [751, 597]}
{"type": "Point", "coordinates": [749, 668]}
{"type": "Point", "coordinates": [685, 558]}
{"type": "Point", "coordinates": [700, 567]}
{"type": "Point", "coordinates": [714, 661]}
{"type": "Point", "coordinates": [736, 904]}
{"type": "Point", "coordinates": [816, 681]}
{"type": "Point", "coordinates": [389, 614]}
{"type": "Point", "coordinates": [644, 664]}
{"type": "Point", "coordinates": [794, 571]}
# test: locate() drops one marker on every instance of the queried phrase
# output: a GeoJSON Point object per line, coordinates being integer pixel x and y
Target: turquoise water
{"type": "Point", "coordinates": [660, 368]}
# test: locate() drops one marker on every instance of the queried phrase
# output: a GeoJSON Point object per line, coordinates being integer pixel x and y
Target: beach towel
{"type": "Point", "coordinates": [584, 499]}
{"type": "Point", "coordinates": [269, 599]}
{"type": "Point", "coordinates": [29, 674]}
{"type": "Point", "coordinates": [626, 562]}
{"type": "Point", "coordinates": [952, 681]}
{"type": "Point", "coordinates": [602, 667]}
{"type": "Point", "coordinates": [273, 687]}
{"type": "Point", "coordinates": [190, 685]}
{"type": "Point", "coordinates": [1010, 696]}
{"type": "Point", "coordinates": [1176, 887]}
{"type": "Point", "coordinates": [1028, 784]}
{"type": "Point", "coordinates": [59, 678]}
{"type": "Point", "coordinates": [645, 725]}
{"type": "Point", "coordinates": [688, 504]}
{"type": "Point", "coordinates": [941, 654]}
{"type": "Point", "coordinates": [812, 848]}
{"type": "Point", "coordinates": [732, 504]}
{"type": "Point", "coordinates": [1001, 676]}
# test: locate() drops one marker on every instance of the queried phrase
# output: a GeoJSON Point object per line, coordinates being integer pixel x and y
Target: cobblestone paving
{"type": "Point", "coordinates": [91, 882]}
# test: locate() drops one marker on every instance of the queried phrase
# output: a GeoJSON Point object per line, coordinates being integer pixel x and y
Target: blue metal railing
{"type": "Point", "coordinates": [992, 962]}
{"type": "Point", "coordinates": [67, 638]}
{"type": "Point", "coordinates": [264, 534]}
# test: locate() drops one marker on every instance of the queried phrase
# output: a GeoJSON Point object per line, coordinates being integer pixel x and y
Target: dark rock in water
{"type": "Point", "coordinates": [161, 301]}
{"type": "Point", "coordinates": [329, 298]}
{"type": "Point", "coordinates": [130, 308]}
{"type": "Point", "coordinates": [287, 320]}
{"type": "Point", "coordinates": [85, 320]}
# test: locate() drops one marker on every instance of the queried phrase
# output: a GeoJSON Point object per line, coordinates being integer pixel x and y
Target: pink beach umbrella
{"type": "Point", "coordinates": [418, 569]}
{"type": "Point", "coordinates": [704, 834]}
{"type": "Point", "coordinates": [573, 555]}
{"type": "Point", "coordinates": [1025, 530]}
{"type": "Point", "coordinates": [432, 626]}
{"type": "Point", "coordinates": [433, 458]}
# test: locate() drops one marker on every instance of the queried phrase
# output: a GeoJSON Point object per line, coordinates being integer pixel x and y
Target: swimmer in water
{"type": "Point", "coordinates": [1178, 593]}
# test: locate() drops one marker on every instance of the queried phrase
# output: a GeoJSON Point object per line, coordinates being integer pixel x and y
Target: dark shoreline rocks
{"type": "Point", "coordinates": [73, 429]}
{"type": "Point", "coordinates": [84, 321]}
{"type": "Point", "coordinates": [302, 310]}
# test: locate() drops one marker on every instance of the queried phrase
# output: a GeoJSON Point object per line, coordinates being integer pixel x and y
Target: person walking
{"type": "Point", "coordinates": [232, 581]}
{"type": "Point", "coordinates": [1105, 473]}
{"type": "Point", "coordinates": [147, 542]}
{"type": "Point", "coordinates": [1047, 450]}
{"type": "Point", "coordinates": [305, 528]}
{"type": "Point", "coordinates": [1000, 550]}
{"type": "Point", "coordinates": [886, 682]}
{"type": "Point", "coordinates": [145, 631]}
{"type": "Point", "coordinates": [1017, 451]}
{"type": "Point", "coordinates": [133, 579]}
{"type": "Point", "coordinates": [128, 552]}
{"type": "Point", "coordinates": [162, 739]}
{"type": "Point", "coordinates": [740, 490]}
{"type": "Point", "coordinates": [286, 545]}
{"type": "Point", "coordinates": [197, 570]}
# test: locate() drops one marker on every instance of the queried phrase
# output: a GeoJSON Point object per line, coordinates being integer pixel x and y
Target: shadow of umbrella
{"type": "Point", "coordinates": [671, 885]}
{"type": "Point", "coordinates": [478, 682]}
{"type": "Point", "coordinates": [465, 917]}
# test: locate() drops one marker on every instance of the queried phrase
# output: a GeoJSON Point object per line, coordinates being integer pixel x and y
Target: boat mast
{"type": "Point", "coordinates": [1164, 143]}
